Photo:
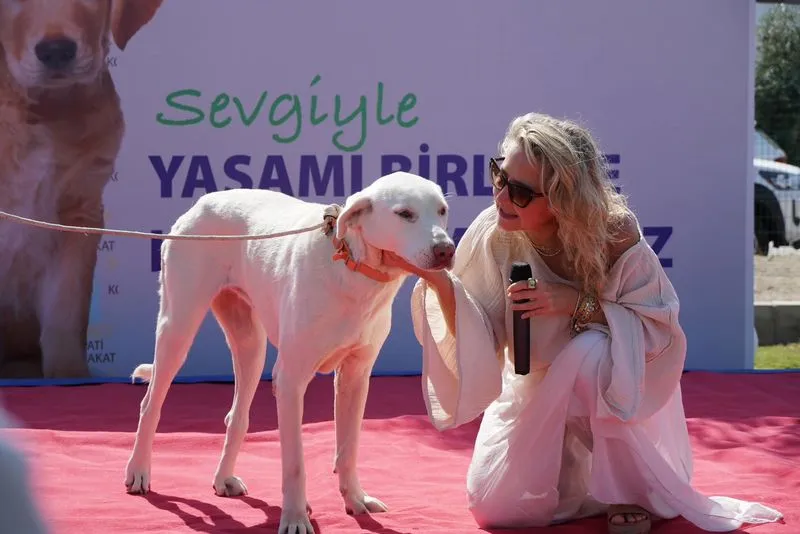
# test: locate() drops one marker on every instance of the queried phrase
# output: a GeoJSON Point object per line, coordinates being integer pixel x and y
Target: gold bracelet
{"type": "Point", "coordinates": [588, 306]}
{"type": "Point", "coordinates": [584, 310]}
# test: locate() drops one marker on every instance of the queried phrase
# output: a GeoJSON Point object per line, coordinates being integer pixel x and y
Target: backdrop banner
{"type": "Point", "coordinates": [317, 99]}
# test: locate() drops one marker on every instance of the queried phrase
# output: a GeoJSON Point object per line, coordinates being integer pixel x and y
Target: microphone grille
{"type": "Point", "coordinates": [520, 271]}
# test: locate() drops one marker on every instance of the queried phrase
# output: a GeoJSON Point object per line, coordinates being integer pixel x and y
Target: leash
{"type": "Point", "coordinates": [150, 235]}
{"type": "Point", "coordinates": [329, 217]}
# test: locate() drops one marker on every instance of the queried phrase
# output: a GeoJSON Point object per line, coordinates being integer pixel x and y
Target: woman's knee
{"type": "Point", "coordinates": [484, 515]}
{"type": "Point", "coordinates": [490, 513]}
{"type": "Point", "coordinates": [487, 506]}
{"type": "Point", "coordinates": [499, 508]}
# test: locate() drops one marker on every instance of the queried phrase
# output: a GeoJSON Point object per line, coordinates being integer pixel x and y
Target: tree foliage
{"type": "Point", "coordinates": [777, 105]}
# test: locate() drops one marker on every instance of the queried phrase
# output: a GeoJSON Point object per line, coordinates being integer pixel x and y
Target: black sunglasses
{"type": "Point", "coordinates": [520, 195]}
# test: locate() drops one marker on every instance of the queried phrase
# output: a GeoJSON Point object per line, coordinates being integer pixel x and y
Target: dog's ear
{"type": "Point", "coordinates": [128, 17]}
{"type": "Point", "coordinates": [359, 204]}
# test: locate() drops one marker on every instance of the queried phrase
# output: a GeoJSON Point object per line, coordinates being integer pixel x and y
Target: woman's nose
{"type": "Point", "coordinates": [502, 196]}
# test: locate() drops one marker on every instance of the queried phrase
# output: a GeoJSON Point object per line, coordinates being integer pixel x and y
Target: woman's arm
{"type": "Point", "coordinates": [474, 273]}
{"type": "Point", "coordinates": [587, 308]}
{"type": "Point", "coordinates": [439, 281]}
{"type": "Point", "coordinates": [442, 285]}
{"type": "Point", "coordinates": [459, 320]}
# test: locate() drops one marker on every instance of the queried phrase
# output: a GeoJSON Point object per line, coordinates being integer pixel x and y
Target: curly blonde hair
{"type": "Point", "coordinates": [587, 207]}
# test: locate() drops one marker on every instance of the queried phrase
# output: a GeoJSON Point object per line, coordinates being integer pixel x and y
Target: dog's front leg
{"type": "Point", "coordinates": [64, 300]}
{"type": "Point", "coordinates": [351, 385]}
{"type": "Point", "coordinates": [289, 390]}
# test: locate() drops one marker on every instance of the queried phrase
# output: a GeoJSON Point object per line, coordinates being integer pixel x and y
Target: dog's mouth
{"type": "Point", "coordinates": [63, 78]}
{"type": "Point", "coordinates": [439, 266]}
{"type": "Point", "coordinates": [32, 75]}
{"type": "Point", "coordinates": [433, 265]}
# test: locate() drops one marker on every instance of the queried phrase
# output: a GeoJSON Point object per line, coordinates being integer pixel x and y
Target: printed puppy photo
{"type": "Point", "coordinates": [61, 128]}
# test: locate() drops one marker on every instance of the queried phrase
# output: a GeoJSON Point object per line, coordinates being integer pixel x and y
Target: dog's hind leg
{"type": "Point", "coordinates": [186, 295]}
{"type": "Point", "coordinates": [248, 343]}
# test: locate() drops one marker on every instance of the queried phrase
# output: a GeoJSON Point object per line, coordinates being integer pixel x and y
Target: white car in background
{"type": "Point", "coordinates": [777, 197]}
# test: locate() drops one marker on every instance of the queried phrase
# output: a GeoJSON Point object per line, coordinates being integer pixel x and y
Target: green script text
{"type": "Point", "coordinates": [188, 108]}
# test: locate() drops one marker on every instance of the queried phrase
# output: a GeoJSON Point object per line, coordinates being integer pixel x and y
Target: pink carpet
{"type": "Point", "coordinates": [744, 429]}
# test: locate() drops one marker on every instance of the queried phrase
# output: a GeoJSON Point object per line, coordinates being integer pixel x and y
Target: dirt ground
{"type": "Point", "coordinates": [777, 276]}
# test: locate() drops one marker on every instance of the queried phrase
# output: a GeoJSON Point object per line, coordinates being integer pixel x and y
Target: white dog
{"type": "Point", "coordinates": [322, 314]}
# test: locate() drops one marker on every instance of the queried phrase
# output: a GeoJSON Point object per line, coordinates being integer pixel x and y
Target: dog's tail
{"type": "Point", "coordinates": [143, 372]}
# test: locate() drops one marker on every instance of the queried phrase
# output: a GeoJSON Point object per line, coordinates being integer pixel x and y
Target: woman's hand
{"type": "Point", "coordinates": [547, 299]}
{"type": "Point", "coordinates": [440, 282]}
{"type": "Point", "coordinates": [390, 259]}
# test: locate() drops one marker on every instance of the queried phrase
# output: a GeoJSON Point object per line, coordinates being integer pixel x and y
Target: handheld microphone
{"type": "Point", "coordinates": [522, 329]}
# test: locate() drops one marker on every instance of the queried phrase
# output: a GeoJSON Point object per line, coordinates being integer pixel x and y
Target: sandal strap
{"type": "Point", "coordinates": [617, 509]}
{"type": "Point", "coordinates": [628, 527]}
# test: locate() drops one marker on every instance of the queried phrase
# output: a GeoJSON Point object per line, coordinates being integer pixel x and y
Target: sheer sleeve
{"type": "Point", "coordinates": [462, 374]}
{"type": "Point", "coordinates": [648, 345]}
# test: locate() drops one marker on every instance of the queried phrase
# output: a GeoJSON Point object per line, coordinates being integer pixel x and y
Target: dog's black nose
{"type": "Point", "coordinates": [444, 251]}
{"type": "Point", "coordinates": [56, 53]}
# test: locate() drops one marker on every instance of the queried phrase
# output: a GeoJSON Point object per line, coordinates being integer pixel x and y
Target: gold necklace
{"type": "Point", "coordinates": [543, 251]}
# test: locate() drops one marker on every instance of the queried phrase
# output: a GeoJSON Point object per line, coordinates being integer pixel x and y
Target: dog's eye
{"type": "Point", "coordinates": [405, 214]}
{"type": "Point", "coordinates": [442, 211]}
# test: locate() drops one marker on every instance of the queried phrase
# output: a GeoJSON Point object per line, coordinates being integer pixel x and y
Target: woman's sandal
{"type": "Point", "coordinates": [628, 527]}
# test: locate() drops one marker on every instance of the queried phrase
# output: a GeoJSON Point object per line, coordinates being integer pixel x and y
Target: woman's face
{"type": "Point", "coordinates": [518, 194]}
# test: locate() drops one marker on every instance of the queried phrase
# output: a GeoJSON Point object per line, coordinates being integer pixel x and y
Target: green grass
{"type": "Point", "coordinates": [778, 357]}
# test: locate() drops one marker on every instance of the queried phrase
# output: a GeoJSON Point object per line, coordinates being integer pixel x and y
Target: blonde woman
{"type": "Point", "coordinates": [598, 425]}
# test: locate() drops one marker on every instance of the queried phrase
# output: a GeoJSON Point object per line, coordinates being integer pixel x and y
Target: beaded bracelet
{"type": "Point", "coordinates": [585, 308]}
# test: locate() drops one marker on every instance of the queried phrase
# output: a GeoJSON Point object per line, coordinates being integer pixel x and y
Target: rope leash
{"type": "Point", "coordinates": [331, 213]}
{"type": "Point", "coordinates": [329, 217]}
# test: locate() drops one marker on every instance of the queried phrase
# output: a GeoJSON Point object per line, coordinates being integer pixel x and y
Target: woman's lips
{"type": "Point", "coordinates": [505, 215]}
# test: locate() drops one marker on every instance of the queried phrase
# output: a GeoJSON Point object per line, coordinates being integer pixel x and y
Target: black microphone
{"type": "Point", "coordinates": [522, 329]}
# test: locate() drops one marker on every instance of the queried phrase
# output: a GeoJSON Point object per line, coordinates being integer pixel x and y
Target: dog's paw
{"type": "Point", "coordinates": [294, 521]}
{"type": "Point", "coordinates": [363, 504]}
{"type": "Point", "coordinates": [137, 481]}
{"type": "Point", "coordinates": [230, 487]}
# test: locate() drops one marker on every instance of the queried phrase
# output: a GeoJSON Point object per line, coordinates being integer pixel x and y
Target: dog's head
{"type": "Point", "coordinates": [58, 43]}
{"type": "Point", "coordinates": [402, 213]}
